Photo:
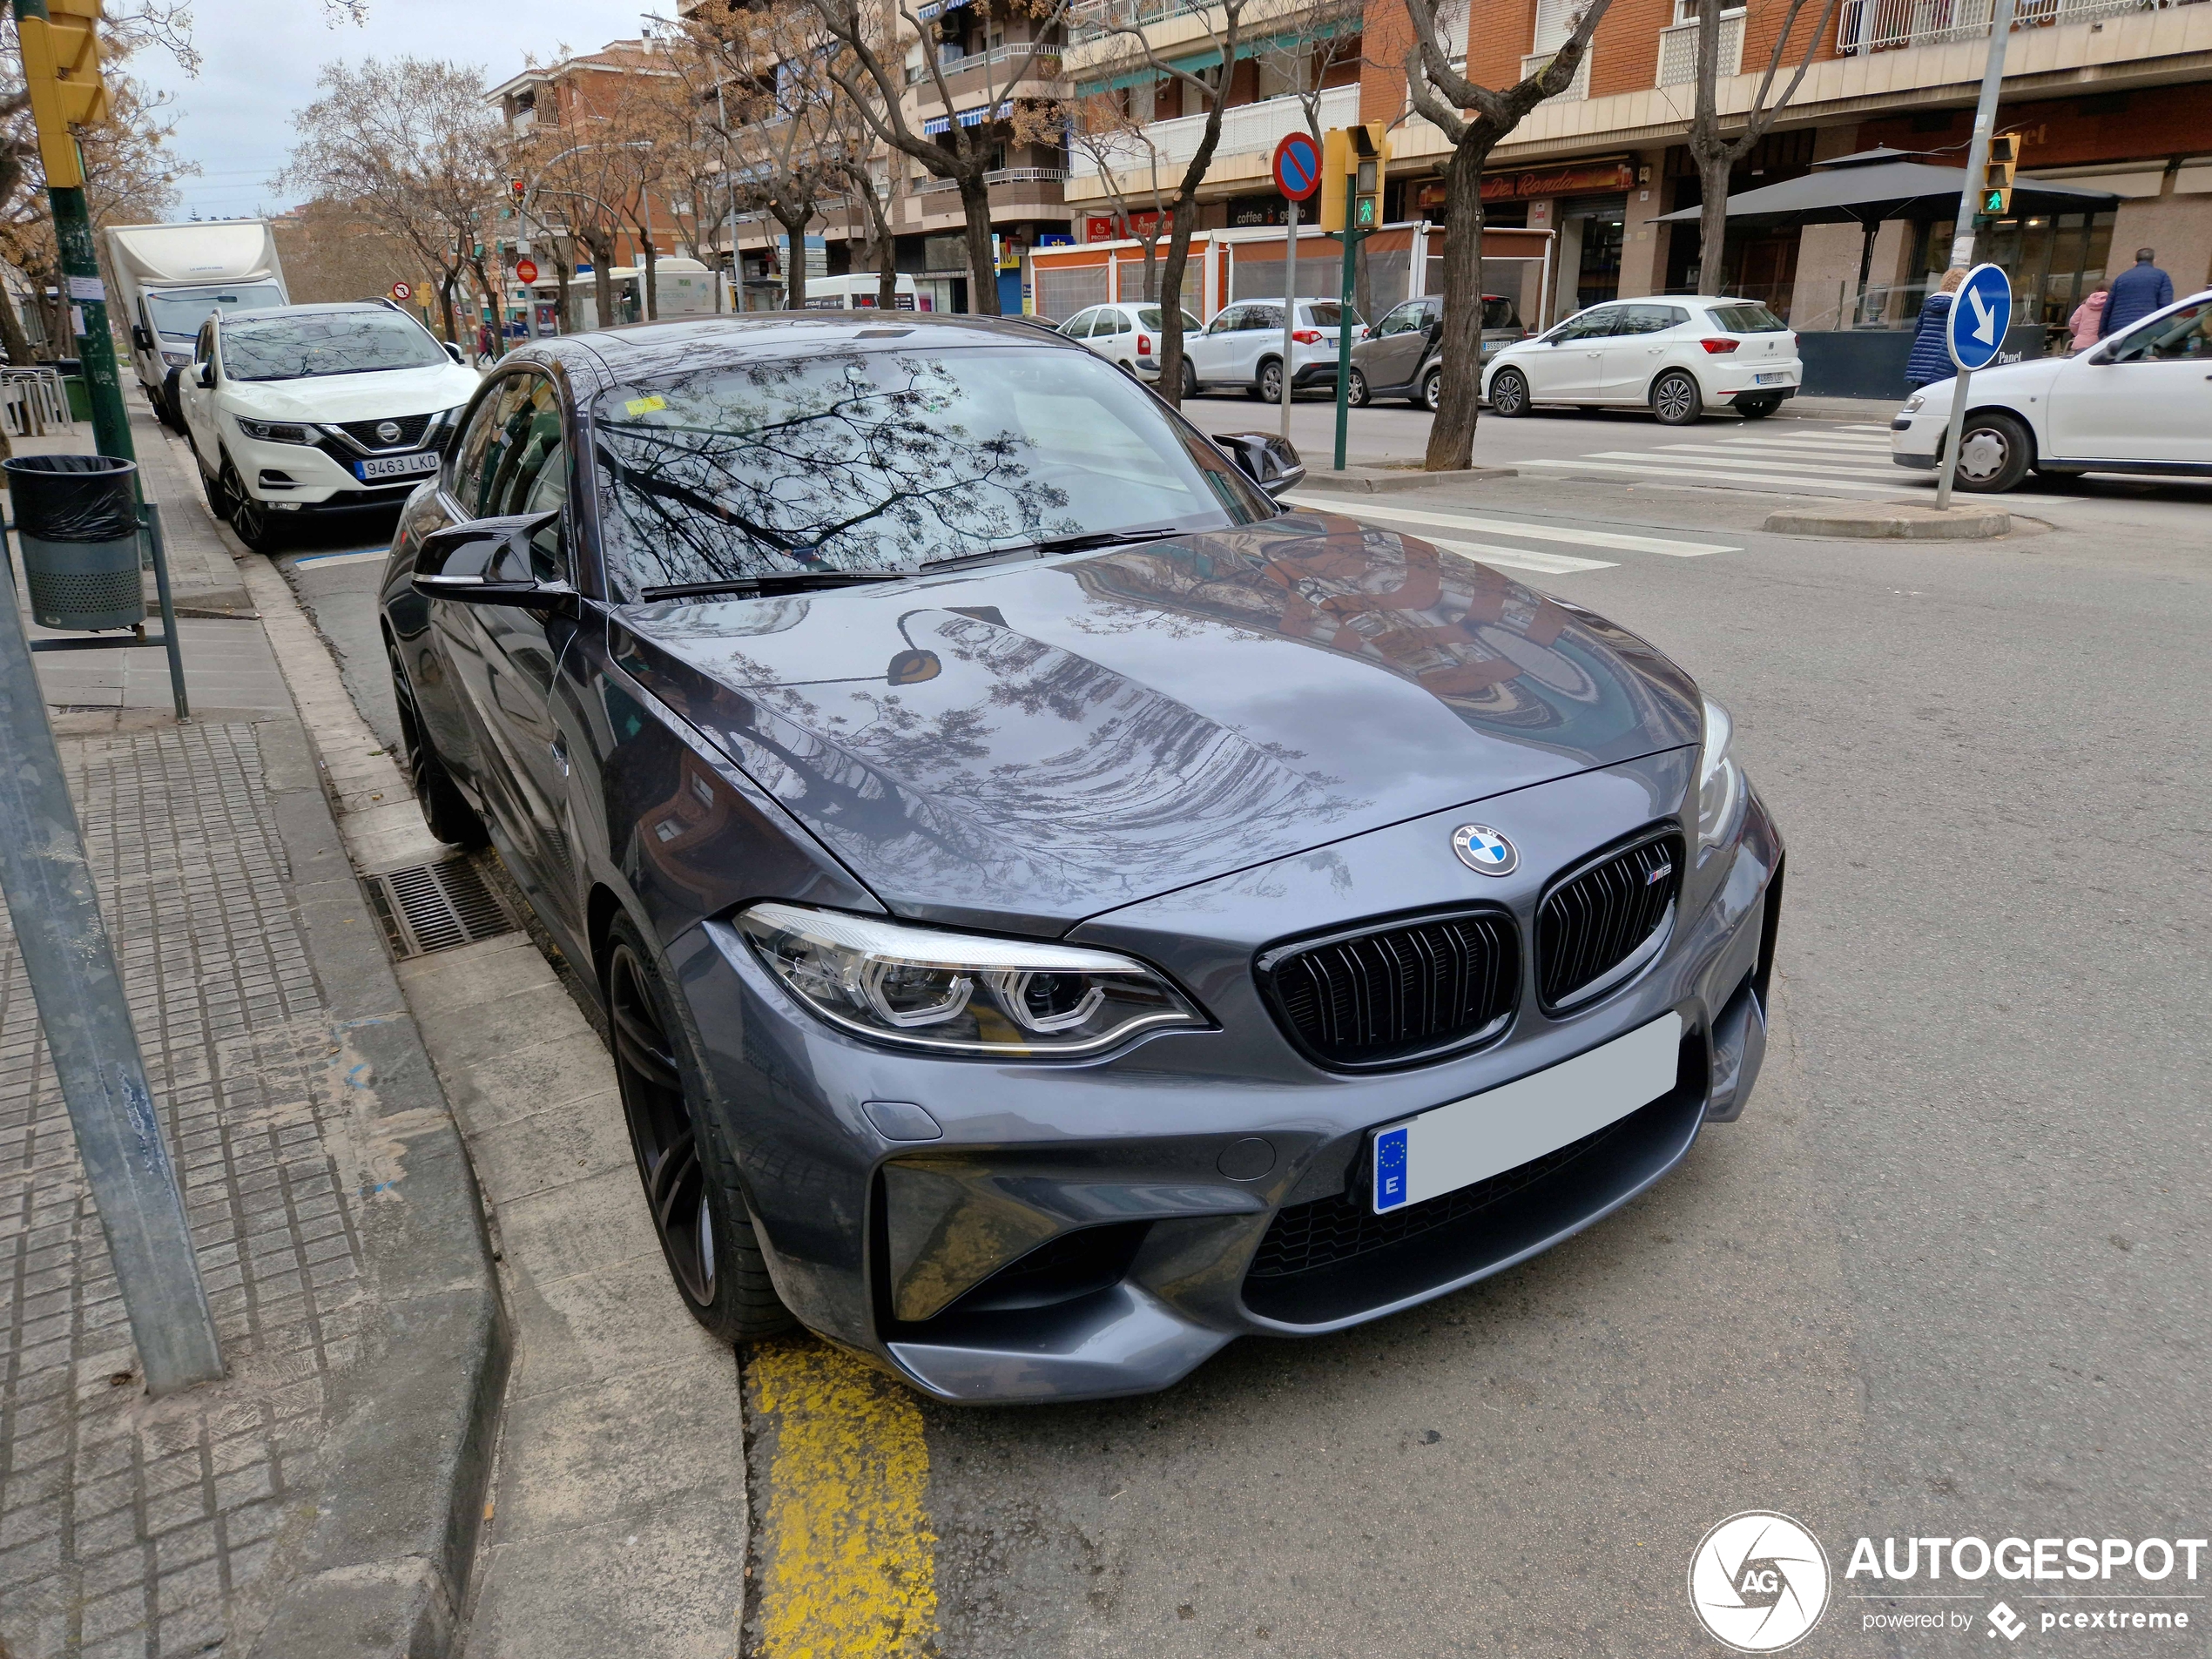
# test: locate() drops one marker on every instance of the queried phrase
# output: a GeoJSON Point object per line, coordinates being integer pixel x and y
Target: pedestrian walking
{"type": "Point", "coordinates": [483, 340]}
{"type": "Point", "coordinates": [2136, 292]}
{"type": "Point", "coordinates": [2083, 326]}
{"type": "Point", "coordinates": [1930, 358]}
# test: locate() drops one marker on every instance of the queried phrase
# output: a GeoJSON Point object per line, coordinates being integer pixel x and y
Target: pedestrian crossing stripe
{"type": "Point", "coordinates": [1508, 527]}
{"type": "Point", "coordinates": [1521, 558]}
{"type": "Point", "coordinates": [1761, 463]}
{"type": "Point", "coordinates": [1777, 482]}
{"type": "Point", "coordinates": [1779, 441]}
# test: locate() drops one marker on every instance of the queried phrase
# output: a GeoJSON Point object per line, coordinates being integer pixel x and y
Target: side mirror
{"type": "Point", "coordinates": [140, 338]}
{"type": "Point", "coordinates": [1266, 458]}
{"type": "Point", "coordinates": [487, 561]}
{"type": "Point", "coordinates": [454, 352]}
{"type": "Point", "coordinates": [207, 375]}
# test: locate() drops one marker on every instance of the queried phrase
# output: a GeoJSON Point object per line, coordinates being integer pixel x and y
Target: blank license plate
{"type": "Point", "coordinates": [1772, 380]}
{"type": "Point", "coordinates": [396, 466]}
{"type": "Point", "coordinates": [1484, 1135]}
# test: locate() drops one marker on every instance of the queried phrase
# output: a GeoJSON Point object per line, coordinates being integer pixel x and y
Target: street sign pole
{"type": "Point", "coordinates": [1298, 175]}
{"type": "Point", "coordinates": [1290, 312]}
{"type": "Point", "coordinates": [1344, 339]}
{"type": "Point", "coordinates": [1944, 474]}
{"type": "Point", "coordinates": [1992, 77]}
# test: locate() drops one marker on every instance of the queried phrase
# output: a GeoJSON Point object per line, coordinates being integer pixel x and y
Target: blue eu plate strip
{"type": "Point", "coordinates": [1390, 1168]}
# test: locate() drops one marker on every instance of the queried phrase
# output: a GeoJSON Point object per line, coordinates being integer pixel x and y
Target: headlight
{"type": "Point", "coordinates": [1912, 404]}
{"type": "Point", "coordinates": [959, 993]}
{"type": "Point", "coordinates": [443, 419]}
{"type": "Point", "coordinates": [176, 359]}
{"type": "Point", "coordinates": [1720, 781]}
{"type": "Point", "coordinates": [273, 431]}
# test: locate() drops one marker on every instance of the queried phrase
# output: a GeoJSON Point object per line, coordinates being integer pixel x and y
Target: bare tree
{"type": "Point", "coordinates": [1440, 92]}
{"type": "Point", "coordinates": [864, 72]}
{"type": "Point", "coordinates": [577, 172]}
{"type": "Point", "coordinates": [1103, 128]}
{"type": "Point", "coordinates": [1716, 157]}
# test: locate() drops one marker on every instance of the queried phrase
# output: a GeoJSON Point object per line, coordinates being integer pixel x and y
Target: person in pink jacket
{"type": "Point", "coordinates": [2082, 326]}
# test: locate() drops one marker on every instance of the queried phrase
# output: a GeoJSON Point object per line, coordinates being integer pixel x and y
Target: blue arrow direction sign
{"type": "Point", "coordinates": [1979, 315]}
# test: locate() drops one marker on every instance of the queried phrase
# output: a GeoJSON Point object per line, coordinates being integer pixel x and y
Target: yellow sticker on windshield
{"type": "Point", "coordinates": [644, 405]}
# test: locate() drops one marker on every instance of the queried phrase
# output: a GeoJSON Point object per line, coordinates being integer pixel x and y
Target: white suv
{"type": "Point", "coordinates": [1128, 335]}
{"type": "Point", "coordinates": [316, 408]}
{"type": "Point", "coordinates": [1677, 354]}
{"type": "Point", "coordinates": [1243, 346]}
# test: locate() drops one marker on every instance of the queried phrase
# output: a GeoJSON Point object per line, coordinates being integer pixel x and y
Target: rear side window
{"type": "Point", "coordinates": [1325, 313]}
{"type": "Point", "coordinates": [1747, 320]}
{"type": "Point", "coordinates": [1498, 312]}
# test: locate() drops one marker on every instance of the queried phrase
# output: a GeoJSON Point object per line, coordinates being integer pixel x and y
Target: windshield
{"type": "Point", "coordinates": [863, 461]}
{"type": "Point", "coordinates": [324, 342]}
{"type": "Point", "coordinates": [1747, 320]}
{"type": "Point", "coordinates": [1149, 318]}
{"type": "Point", "coordinates": [178, 313]}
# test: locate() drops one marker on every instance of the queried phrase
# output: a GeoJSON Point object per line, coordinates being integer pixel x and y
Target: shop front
{"type": "Point", "coordinates": [1585, 203]}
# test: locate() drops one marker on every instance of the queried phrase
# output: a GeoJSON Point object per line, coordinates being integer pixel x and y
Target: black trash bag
{"type": "Point", "coordinates": [74, 498]}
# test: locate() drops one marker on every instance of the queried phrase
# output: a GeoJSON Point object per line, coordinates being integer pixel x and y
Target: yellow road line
{"type": "Point", "coordinates": [846, 1557]}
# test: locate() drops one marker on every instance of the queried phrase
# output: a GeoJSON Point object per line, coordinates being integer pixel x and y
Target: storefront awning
{"type": "Point", "coordinates": [1877, 185]}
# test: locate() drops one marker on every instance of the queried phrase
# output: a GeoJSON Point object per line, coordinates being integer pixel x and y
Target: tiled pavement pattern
{"type": "Point", "coordinates": [127, 1524]}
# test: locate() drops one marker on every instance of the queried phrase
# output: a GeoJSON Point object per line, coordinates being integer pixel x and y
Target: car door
{"type": "Point", "coordinates": [1570, 364]}
{"type": "Point", "coordinates": [1209, 352]}
{"type": "Point", "coordinates": [1391, 357]}
{"type": "Point", "coordinates": [1112, 336]}
{"type": "Point", "coordinates": [1260, 335]}
{"type": "Point", "coordinates": [514, 459]}
{"type": "Point", "coordinates": [2146, 396]}
{"type": "Point", "coordinates": [1638, 349]}
{"type": "Point", "coordinates": [198, 402]}
{"type": "Point", "coordinates": [1078, 326]}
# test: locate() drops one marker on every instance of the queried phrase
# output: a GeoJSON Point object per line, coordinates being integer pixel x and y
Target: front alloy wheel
{"type": "Point", "coordinates": [1509, 394]}
{"type": "Point", "coordinates": [249, 518]}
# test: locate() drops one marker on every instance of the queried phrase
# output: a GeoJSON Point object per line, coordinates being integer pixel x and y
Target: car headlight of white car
{"type": "Point", "coordinates": [1720, 781]}
{"type": "Point", "coordinates": [274, 431]}
{"type": "Point", "coordinates": [1913, 405]}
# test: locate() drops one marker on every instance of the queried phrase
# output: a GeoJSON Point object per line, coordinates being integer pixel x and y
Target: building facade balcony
{"type": "Point", "coordinates": [1577, 89]}
{"type": "Point", "coordinates": [1678, 50]}
{"type": "Point", "coordinates": [1887, 25]}
{"type": "Point", "coordinates": [973, 74]}
{"type": "Point", "coordinates": [1247, 130]}
{"type": "Point", "coordinates": [1017, 195]}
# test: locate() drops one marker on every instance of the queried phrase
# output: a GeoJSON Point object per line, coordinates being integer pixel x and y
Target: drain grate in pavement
{"type": "Point", "coordinates": [435, 906]}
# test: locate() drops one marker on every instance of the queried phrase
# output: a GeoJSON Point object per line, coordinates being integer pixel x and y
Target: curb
{"type": "Point", "coordinates": [1384, 481]}
{"type": "Point", "coordinates": [1892, 522]}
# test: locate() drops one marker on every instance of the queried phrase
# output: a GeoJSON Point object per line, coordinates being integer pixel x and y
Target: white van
{"type": "Point", "coordinates": [855, 293]}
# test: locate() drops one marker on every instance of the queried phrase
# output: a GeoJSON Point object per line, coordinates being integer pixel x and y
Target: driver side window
{"type": "Point", "coordinates": [514, 459]}
{"type": "Point", "coordinates": [475, 454]}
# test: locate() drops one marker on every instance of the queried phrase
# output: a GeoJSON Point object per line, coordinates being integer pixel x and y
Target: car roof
{"type": "Point", "coordinates": [255, 314]}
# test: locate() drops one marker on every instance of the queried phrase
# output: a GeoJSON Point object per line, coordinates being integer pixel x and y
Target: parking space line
{"type": "Point", "coordinates": [362, 557]}
{"type": "Point", "coordinates": [1527, 532]}
{"type": "Point", "coordinates": [847, 1564]}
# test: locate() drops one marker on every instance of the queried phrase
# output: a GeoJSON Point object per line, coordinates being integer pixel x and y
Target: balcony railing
{"type": "Point", "coordinates": [1090, 19]}
{"type": "Point", "coordinates": [918, 74]}
{"type": "Point", "coordinates": [999, 176]}
{"type": "Point", "coordinates": [1885, 25]}
{"type": "Point", "coordinates": [1577, 88]}
{"type": "Point", "coordinates": [1678, 50]}
{"type": "Point", "coordinates": [1246, 129]}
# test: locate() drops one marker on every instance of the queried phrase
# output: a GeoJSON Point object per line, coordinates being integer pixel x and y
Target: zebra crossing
{"type": "Point", "coordinates": [1847, 460]}
{"type": "Point", "coordinates": [1496, 541]}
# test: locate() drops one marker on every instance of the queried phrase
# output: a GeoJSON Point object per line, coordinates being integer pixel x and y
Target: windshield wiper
{"type": "Point", "coordinates": [1054, 544]}
{"type": "Point", "coordinates": [775, 581]}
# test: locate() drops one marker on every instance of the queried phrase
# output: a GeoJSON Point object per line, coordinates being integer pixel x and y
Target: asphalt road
{"type": "Point", "coordinates": [1945, 1278]}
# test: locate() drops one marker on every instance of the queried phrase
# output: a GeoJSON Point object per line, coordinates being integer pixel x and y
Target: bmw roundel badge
{"type": "Point", "coordinates": [1482, 849]}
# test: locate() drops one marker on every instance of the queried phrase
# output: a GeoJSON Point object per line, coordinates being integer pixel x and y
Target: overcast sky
{"type": "Point", "coordinates": [260, 59]}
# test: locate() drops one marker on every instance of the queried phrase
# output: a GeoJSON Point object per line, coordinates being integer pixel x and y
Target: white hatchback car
{"type": "Point", "coordinates": [306, 409]}
{"type": "Point", "coordinates": [1243, 347]}
{"type": "Point", "coordinates": [1677, 354]}
{"type": "Point", "coordinates": [1126, 334]}
{"type": "Point", "coordinates": [2137, 402]}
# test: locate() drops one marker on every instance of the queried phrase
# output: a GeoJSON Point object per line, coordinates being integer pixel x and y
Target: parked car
{"type": "Point", "coordinates": [2140, 402]}
{"type": "Point", "coordinates": [1125, 335]}
{"type": "Point", "coordinates": [997, 834]}
{"type": "Point", "coordinates": [1677, 355]}
{"type": "Point", "coordinates": [1402, 355]}
{"type": "Point", "coordinates": [1243, 346]}
{"type": "Point", "coordinates": [312, 409]}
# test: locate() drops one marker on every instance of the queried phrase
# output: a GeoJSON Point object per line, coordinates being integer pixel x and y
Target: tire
{"type": "Point", "coordinates": [1675, 398]}
{"type": "Point", "coordinates": [1268, 389]}
{"type": "Point", "coordinates": [1756, 408]}
{"type": "Point", "coordinates": [1994, 453]}
{"type": "Point", "coordinates": [699, 1210]}
{"type": "Point", "coordinates": [1190, 379]}
{"type": "Point", "coordinates": [1509, 394]}
{"type": "Point", "coordinates": [217, 489]}
{"type": "Point", "coordinates": [1432, 397]}
{"type": "Point", "coordinates": [1356, 391]}
{"type": "Point", "coordinates": [249, 519]}
{"type": "Point", "coordinates": [170, 404]}
{"type": "Point", "coordinates": [445, 809]}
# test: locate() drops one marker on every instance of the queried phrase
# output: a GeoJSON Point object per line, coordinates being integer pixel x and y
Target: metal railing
{"type": "Point", "coordinates": [1577, 88]}
{"type": "Point", "coordinates": [999, 176]}
{"type": "Point", "coordinates": [1090, 19]}
{"type": "Point", "coordinates": [1886, 26]}
{"type": "Point", "coordinates": [35, 401]}
{"type": "Point", "coordinates": [1678, 50]}
{"type": "Point", "coordinates": [1245, 129]}
{"type": "Point", "coordinates": [918, 74]}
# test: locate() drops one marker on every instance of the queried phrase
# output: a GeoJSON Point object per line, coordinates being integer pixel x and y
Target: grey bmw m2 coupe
{"type": "Point", "coordinates": [1056, 910]}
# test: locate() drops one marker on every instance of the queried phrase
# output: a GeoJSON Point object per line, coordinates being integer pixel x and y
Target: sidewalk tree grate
{"type": "Point", "coordinates": [435, 906]}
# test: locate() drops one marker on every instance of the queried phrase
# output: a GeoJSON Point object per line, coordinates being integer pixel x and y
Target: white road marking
{"type": "Point", "coordinates": [1527, 532]}
{"type": "Point", "coordinates": [1779, 440]}
{"type": "Point", "coordinates": [1775, 483]}
{"type": "Point", "coordinates": [1760, 462]}
{"type": "Point", "coordinates": [1521, 558]}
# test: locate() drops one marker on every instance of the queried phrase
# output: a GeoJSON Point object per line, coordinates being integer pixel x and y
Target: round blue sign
{"type": "Point", "coordinates": [1980, 313]}
{"type": "Point", "coordinates": [1298, 166]}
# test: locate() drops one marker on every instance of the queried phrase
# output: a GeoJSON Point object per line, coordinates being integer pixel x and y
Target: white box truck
{"type": "Point", "coordinates": [170, 277]}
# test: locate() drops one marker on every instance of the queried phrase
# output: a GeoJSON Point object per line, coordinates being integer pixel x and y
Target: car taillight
{"type": "Point", "coordinates": [1795, 342]}
{"type": "Point", "coordinates": [1716, 346]}
{"type": "Point", "coordinates": [1306, 336]}
{"type": "Point", "coordinates": [1144, 345]}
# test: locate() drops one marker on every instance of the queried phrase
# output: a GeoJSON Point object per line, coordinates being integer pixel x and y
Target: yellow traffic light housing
{"type": "Point", "coordinates": [61, 65]}
{"type": "Point", "coordinates": [1354, 161]}
{"type": "Point", "coordinates": [1997, 175]}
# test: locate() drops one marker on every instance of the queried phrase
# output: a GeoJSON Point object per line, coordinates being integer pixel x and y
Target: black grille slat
{"type": "Point", "coordinates": [1398, 992]}
{"type": "Point", "coordinates": [1596, 920]}
{"type": "Point", "coordinates": [364, 432]}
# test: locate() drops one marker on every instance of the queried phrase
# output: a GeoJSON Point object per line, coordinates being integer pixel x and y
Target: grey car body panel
{"type": "Point", "coordinates": [1210, 744]}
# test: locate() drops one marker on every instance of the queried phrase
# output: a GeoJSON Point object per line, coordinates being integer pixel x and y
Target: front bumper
{"type": "Point", "coordinates": [1916, 440]}
{"type": "Point", "coordinates": [1091, 1229]}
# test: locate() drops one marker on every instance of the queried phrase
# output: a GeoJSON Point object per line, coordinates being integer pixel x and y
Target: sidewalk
{"type": "Point", "coordinates": [322, 1499]}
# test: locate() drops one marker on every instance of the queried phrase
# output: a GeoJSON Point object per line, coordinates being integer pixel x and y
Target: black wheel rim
{"type": "Point", "coordinates": [661, 1128]}
{"type": "Point", "coordinates": [246, 512]}
{"type": "Point", "coordinates": [418, 757]}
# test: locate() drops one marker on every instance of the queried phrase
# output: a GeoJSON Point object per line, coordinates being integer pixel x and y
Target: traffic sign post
{"type": "Point", "coordinates": [1298, 175]}
{"type": "Point", "coordinates": [1981, 312]}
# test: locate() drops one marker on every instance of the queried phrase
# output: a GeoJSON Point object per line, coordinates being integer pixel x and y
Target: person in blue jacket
{"type": "Point", "coordinates": [2136, 293]}
{"type": "Point", "coordinates": [1930, 358]}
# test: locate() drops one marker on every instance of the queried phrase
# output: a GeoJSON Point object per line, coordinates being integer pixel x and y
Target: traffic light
{"type": "Point", "coordinates": [1997, 175]}
{"type": "Point", "coordinates": [1352, 163]}
{"type": "Point", "coordinates": [515, 189]}
{"type": "Point", "coordinates": [61, 66]}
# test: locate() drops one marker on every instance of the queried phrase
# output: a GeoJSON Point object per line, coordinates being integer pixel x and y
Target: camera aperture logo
{"type": "Point", "coordinates": [1758, 1582]}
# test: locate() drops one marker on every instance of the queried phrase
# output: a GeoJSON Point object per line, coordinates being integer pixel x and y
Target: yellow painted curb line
{"type": "Point", "coordinates": [848, 1560]}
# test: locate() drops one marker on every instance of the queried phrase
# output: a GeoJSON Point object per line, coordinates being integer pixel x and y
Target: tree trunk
{"type": "Point", "coordinates": [652, 280]}
{"type": "Point", "coordinates": [982, 269]}
{"type": "Point", "coordinates": [445, 285]}
{"type": "Point", "coordinates": [495, 302]}
{"type": "Point", "coordinates": [887, 261]}
{"type": "Point", "coordinates": [794, 262]}
{"type": "Point", "coordinates": [1451, 438]}
{"type": "Point", "coordinates": [1169, 294]}
{"type": "Point", "coordinates": [564, 305]}
{"type": "Point", "coordinates": [602, 248]}
{"type": "Point", "coordinates": [1712, 221]}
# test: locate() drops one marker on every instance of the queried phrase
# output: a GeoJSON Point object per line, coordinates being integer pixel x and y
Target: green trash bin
{"type": "Point", "coordinates": [77, 521]}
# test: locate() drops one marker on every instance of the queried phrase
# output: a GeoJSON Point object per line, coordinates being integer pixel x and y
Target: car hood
{"type": "Point", "coordinates": [1026, 745]}
{"type": "Point", "coordinates": [2030, 378]}
{"type": "Point", "coordinates": [353, 397]}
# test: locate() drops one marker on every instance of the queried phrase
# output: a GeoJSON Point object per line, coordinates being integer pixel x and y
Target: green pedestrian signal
{"type": "Point", "coordinates": [1993, 202]}
{"type": "Point", "coordinates": [1365, 219]}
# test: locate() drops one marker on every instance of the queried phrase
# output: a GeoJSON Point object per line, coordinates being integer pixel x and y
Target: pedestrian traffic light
{"type": "Point", "coordinates": [1352, 163]}
{"type": "Point", "coordinates": [515, 188]}
{"type": "Point", "coordinates": [1997, 175]}
{"type": "Point", "coordinates": [61, 66]}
